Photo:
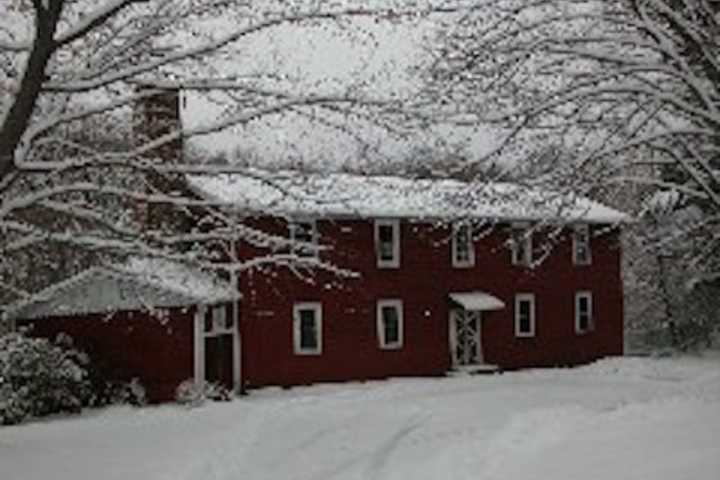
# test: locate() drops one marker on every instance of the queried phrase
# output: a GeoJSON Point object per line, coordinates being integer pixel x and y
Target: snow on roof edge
{"type": "Point", "coordinates": [18, 310]}
{"type": "Point", "coordinates": [337, 195]}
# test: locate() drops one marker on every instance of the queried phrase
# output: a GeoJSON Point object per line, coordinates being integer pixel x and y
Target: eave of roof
{"type": "Point", "coordinates": [159, 294]}
{"type": "Point", "coordinates": [292, 194]}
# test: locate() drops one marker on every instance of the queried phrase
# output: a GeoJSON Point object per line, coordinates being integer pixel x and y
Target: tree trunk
{"type": "Point", "coordinates": [18, 117]}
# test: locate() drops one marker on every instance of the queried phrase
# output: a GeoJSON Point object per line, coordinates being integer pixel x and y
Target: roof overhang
{"type": "Point", "coordinates": [477, 301]}
{"type": "Point", "coordinates": [106, 289]}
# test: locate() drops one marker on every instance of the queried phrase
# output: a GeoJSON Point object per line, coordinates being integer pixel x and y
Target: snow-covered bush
{"type": "Point", "coordinates": [39, 377]}
{"type": "Point", "coordinates": [194, 394]}
{"type": "Point", "coordinates": [131, 393]}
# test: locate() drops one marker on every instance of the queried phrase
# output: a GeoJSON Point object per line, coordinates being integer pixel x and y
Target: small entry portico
{"type": "Point", "coordinates": [465, 327]}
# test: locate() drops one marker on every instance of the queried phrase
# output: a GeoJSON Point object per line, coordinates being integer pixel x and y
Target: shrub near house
{"type": "Point", "coordinates": [39, 377]}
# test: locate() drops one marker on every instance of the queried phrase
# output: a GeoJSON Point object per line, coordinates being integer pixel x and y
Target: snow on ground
{"type": "Point", "coordinates": [624, 418]}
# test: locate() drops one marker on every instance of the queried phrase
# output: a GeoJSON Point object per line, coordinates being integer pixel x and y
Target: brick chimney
{"type": "Point", "coordinates": [154, 117]}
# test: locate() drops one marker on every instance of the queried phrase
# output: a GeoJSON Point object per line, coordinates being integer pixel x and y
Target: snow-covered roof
{"type": "Point", "coordinates": [347, 195]}
{"type": "Point", "coordinates": [139, 283]}
{"type": "Point", "coordinates": [477, 301]}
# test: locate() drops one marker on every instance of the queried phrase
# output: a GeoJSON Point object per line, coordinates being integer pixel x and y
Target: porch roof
{"type": "Point", "coordinates": [477, 301]}
{"type": "Point", "coordinates": [137, 284]}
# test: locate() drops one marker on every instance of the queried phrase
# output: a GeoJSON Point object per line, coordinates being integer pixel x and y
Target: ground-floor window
{"type": "Point", "coordinates": [390, 324]}
{"type": "Point", "coordinates": [307, 328]}
{"type": "Point", "coordinates": [525, 315]}
{"type": "Point", "coordinates": [583, 312]}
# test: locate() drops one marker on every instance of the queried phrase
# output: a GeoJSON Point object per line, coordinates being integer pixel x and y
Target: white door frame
{"type": "Point", "coordinates": [453, 335]}
{"type": "Point", "coordinates": [199, 346]}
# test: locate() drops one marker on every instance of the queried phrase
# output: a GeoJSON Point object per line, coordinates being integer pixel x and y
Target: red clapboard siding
{"type": "Point", "coordinates": [426, 276]}
{"type": "Point", "coordinates": [159, 352]}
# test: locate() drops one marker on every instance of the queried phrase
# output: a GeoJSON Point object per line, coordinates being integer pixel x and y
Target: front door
{"type": "Point", "coordinates": [219, 338]}
{"type": "Point", "coordinates": [219, 359]}
{"type": "Point", "coordinates": [465, 337]}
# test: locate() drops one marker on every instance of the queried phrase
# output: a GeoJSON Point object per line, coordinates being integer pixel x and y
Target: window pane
{"type": "Point", "coordinates": [208, 321]}
{"type": "Point", "coordinates": [462, 243]}
{"type": "Point", "coordinates": [303, 232]}
{"type": "Point", "coordinates": [219, 315]}
{"type": "Point", "coordinates": [229, 320]}
{"type": "Point", "coordinates": [386, 242]}
{"type": "Point", "coordinates": [582, 245]}
{"type": "Point", "coordinates": [308, 330]}
{"type": "Point", "coordinates": [524, 316]}
{"type": "Point", "coordinates": [525, 324]}
{"type": "Point", "coordinates": [521, 245]}
{"type": "Point", "coordinates": [391, 324]}
{"type": "Point", "coordinates": [583, 305]}
{"type": "Point", "coordinates": [583, 322]}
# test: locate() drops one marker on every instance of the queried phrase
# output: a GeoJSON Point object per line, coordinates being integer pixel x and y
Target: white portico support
{"type": "Point", "coordinates": [465, 326]}
{"type": "Point", "coordinates": [199, 345]}
{"type": "Point", "coordinates": [238, 382]}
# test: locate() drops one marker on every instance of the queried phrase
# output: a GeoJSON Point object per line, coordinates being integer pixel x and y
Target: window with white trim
{"type": "Point", "coordinates": [521, 245]}
{"type": "Point", "coordinates": [217, 320]}
{"type": "Point", "coordinates": [387, 243]}
{"type": "Point", "coordinates": [303, 235]}
{"type": "Point", "coordinates": [525, 315]}
{"type": "Point", "coordinates": [583, 312]}
{"type": "Point", "coordinates": [582, 255]}
{"type": "Point", "coordinates": [307, 328]}
{"type": "Point", "coordinates": [390, 324]}
{"type": "Point", "coordinates": [463, 247]}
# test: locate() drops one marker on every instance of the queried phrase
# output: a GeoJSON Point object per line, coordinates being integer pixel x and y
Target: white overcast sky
{"type": "Point", "coordinates": [374, 56]}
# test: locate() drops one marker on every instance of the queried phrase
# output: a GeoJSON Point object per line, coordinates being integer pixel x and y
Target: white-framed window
{"type": "Point", "coordinates": [525, 315]}
{"type": "Point", "coordinates": [303, 235]}
{"type": "Point", "coordinates": [463, 247]}
{"type": "Point", "coordinates": [582, 254]}
{"type": "Point", "coordinates": [218, 320]}
{"type": "Point", "coordinates": [522, 245]}
{"type": "Point", "coordinates": [307, 328]}
{"type": "Point", "coordinates": [583, 312]}
{"type": "Point", "coordinates": [390, 324]}
{"type": "Point", "coordinates": [387, 243]}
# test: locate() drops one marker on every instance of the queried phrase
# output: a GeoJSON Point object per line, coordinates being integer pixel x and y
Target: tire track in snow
{"type": "Point", "coordinates": [385, 451]}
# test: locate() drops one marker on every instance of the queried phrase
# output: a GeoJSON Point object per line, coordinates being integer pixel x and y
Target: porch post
{"type": "Point", "coordinates": [237, 332]}
{"type": "Point", "coordinates": [199, 345]}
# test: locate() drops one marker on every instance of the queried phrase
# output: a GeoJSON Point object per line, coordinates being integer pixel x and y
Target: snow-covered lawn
{"type": "Point", "coordinates": [618, 419]}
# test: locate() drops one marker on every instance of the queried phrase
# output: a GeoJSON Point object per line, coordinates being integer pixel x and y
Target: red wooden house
{"type": "Point", "coordinates": [445, 275]}
{"type": "Point", "coordinates": [449, 276]}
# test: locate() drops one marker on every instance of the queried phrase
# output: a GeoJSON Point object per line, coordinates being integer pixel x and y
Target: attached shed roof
{"type": "Point", "coordinates": [338, 194]}
{"type": "Point", "coordinates": [138, 284]}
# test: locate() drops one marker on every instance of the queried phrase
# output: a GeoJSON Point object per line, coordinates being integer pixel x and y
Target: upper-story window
{"type": "Point", "coordinates": [307, 328]}
{"type": "Point", "coordinates": [582, 255]}
{"type": "Point", "coordinates": [303, 235]}
{"type": "Point", "coordinates": [525, 315]}
{"type": "Point", "coordinates": [521, 245]}
{"type": "Point", "coordinates": [583, 312]}
{"type": "Point", "coordinates": [387, 243]}
{"type": "Point", "coordinates": [463, 248]}
{"type": "Point", "coordinates": [390, 324]}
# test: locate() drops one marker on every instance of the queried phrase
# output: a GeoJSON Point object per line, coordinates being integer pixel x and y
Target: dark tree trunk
{"type": "Point", "coordinates": [18, 117]}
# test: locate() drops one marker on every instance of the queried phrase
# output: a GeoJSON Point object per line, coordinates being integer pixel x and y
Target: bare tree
{"type": "Point", "coordinates": [626, 91]}
{"type": "Point", "coordinates": [69, 63]}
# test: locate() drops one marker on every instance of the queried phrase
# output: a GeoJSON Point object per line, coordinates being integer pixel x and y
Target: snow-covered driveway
{"type": "Point", "coordinates": [618, 419]}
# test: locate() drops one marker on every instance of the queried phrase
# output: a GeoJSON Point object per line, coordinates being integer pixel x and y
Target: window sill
{"type": "Point", "coordinates": [462, 266]}
{"type": "Point", "coordinates": [308, 353]}
{"type": "Point", "coordinates": [388, 266]}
